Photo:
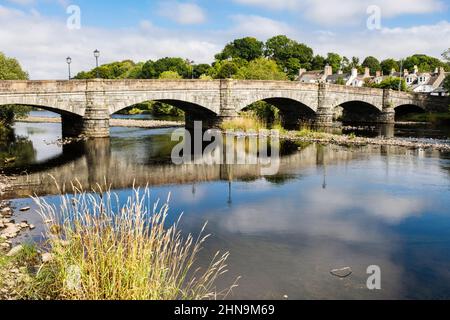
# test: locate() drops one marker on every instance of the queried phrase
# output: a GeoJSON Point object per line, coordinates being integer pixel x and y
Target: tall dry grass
{"type": "Point", "coordinates": [103, 250]}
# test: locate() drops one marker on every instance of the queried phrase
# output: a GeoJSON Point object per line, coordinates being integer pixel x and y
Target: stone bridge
{"type": "Point", "coordinates": [86, 106]}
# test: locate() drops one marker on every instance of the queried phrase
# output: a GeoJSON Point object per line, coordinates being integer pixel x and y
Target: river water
{"type": "Point", "coordinates": [329, 207]}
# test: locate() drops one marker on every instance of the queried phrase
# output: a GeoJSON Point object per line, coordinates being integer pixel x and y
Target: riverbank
{"type": "Point", "coordinates": [149, 124]}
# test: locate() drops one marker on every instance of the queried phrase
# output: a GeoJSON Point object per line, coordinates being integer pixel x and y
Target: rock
{"type": "Point", "coordinates": [11, 229]}
{"type": "Point", "coordinates": [5, 246]}
{"type": "Point", "coordinates": [23, 225]}
{"type": "Point", "coordinates": [14, 251]}
{"type": "Point", "coordinates": [25, 209]}
{"type": "Point", "coordinates": [47, 257]}
{"type": "Point", "coordinates": [32, 226]}
{"type": "Point", "coordinates": [6, 211]}
{"type": "Point", "coordinates": [342, 273]}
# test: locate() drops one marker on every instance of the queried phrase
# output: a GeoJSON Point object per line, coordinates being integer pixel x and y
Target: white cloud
{"type": "Point", "coordinates": [251, 25]}
{"type": "Point", "coordinates": [182, 13]}
{"type": "Point", "coordinates": [44, 43]}
{"type": "Point", "coordinates": [344, 12]}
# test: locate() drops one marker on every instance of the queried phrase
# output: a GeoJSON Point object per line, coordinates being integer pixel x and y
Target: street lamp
{"type": "Point", "coordinates": [69, 61]}
{"type": "Point", "coordinates": [96, 55]}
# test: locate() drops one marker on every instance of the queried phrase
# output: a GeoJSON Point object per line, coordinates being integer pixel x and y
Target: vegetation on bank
{"type": "Point", "coordinates": [442, 118]}
{"type": "Point", "coordinates": [102, 250]}
{"type": "Point", "coordinates": [10, 69]}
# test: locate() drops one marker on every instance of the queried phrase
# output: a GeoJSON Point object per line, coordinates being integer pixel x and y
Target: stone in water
{"type": "Point", "coordinates": [342, 273]}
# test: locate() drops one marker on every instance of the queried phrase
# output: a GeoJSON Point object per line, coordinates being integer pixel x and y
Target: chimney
{"type": "Point", "coordinates": [354, 72]}
{"type": "Point", "coordinates": [441, 70]}
{"type": "Point", "coordinates": [405, 72]}
{"type": "Point", "coordinates": [393, 71]}
{"type": "Point", "coordinates": [328, 70]}
{"type": "Point", "coordinates": [416, 69]}
{"type": "Point", "coordinates": [366, 73]}
{"type": "Point", "coordinates": [301, 72]}
{"type": "Point", "coordinates": [436, 70]}
{"type": "Point", "coordinates": [340, 71]}
{"type": "Point", "coordinates": [378, 74]}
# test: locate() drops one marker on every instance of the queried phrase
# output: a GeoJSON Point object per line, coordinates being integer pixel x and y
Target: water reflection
{"type": "Point", "coordinates": [328, 207]}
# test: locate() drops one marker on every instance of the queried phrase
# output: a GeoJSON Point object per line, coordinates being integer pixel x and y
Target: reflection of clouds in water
{"type": "Point", "coordinates": [336, 214]}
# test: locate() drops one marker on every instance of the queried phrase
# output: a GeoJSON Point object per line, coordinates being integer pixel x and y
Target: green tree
{"type": "Point", "coordinates": [318, 63]}
{"type": "Point", "coordinates": [153, 69]}
{"type": "Point", "coordinates": [261, 69]}
{"type": "Point", "coordinates": [10, 69]}
{"type": "Point", "coordinates": [201, 69]}
{"type": "Point", "coordinates": [348, 65]}
{"type": "Point", "coordinates": [372, 63]}
{"type": "Point", "coordinates": [447, 83]}
{"type": "Point", "coordinates": [392, 83]}
{"type": "Point", "coordinates": [170, 75]}
{"type": "Point", "coordinates": [424, 63]}
{"type": "Point", "coordinates": [334, 60]}
{"type": "Point", "coordinates": [225, 69]}
{"type": "Point", "coordinates": [446, 55]}
{"type": "Point", "coordinates": [116, 70]}
{"type": "Point", "coordinates": [289, 54]}
{"type": "Point", "coordinates": [248, 48]}
{"type": "Point", "coordinates": [389, 64]}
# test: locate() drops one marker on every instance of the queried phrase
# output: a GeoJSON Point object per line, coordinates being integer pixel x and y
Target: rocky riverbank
{"type": "Point", "coordinates": [150, 124]}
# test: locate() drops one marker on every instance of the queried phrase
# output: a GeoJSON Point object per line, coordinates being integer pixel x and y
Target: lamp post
{"type": "Point", "coordinates": [69, 61]}
{"type": "Point", "coordinates": [96, 55]}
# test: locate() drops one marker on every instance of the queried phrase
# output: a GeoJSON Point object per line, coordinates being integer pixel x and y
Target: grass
{"type": "Point", "coordinates": [106, 251]}
{"type": "Point", "coordinates": [435, 118]}
{"type": "Point", "coordinates": [246, 122]}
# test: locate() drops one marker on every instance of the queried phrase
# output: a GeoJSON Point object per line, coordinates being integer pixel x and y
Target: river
{"type": "Point", "coordinates": [329, 207]}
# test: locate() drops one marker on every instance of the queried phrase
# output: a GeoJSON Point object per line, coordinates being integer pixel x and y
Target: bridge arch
{"type": "Point", "coordinates": [292, 112]}
{"type": "Point", "coordinates": [357, 111]}
{"type": "Point", "coordinates": [193, 111]}
{"type": "Point", "coordinates": [403, 110]}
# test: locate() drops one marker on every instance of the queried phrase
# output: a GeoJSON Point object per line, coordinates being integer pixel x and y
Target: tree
{"type": "Point", "coordinates": [248, 48]}
{"type": "Point", "coordinates": [261, 69]}
{"type": "Point", "coordinates": [334, 60]}
{"type": "Point", "coordinates": [318, 63]}
{"type": "Point", "coordinates": [348, 65]}
{"type": "Point", "coordinates": [424, 63]}
{"type": "Point", "coordinates": [201, 69]}
{"type": "Point", "coordinates": [289, 54]}
{"type": "Point", "coordinates": [225, 69]}
{"type": "Point", "coordinates": [10, 69]}
{"type": "Point", "coordinates": [447, 83]}
{"type": "Point", "coordinates": [446, 55]}
{"type": "Point", "coordinates": [116, 70]}
{"type": "Point", "coordinates": [388, 65]}
{"type": "Point", "coordinates": [373, 64]}
{"type": "Point", "coordinates": [170, 75]}
{"type": "Point", "coordinates": [153, 69]}
{"type": "Point", "coordinates": [392, 83]}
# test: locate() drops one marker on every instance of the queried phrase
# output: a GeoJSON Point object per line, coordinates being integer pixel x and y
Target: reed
{"type": "Point", "coordinates": [104, 250]}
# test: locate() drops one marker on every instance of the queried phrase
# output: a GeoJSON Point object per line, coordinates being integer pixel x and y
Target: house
{"type": "Point", "coordinates": [316, 76]}
{"type": "Point", "coordinates": [427, 82]}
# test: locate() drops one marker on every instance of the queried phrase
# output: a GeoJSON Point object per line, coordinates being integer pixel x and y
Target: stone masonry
{"type": "Point", "coordinates": [86, 106]}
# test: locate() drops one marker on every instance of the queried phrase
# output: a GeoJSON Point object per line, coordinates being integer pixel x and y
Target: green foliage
{"type": "Point", "coordinates": [341, 81]}
{"type": "Point", "coordinates": [424, 62]}
{"type": "Point", "coordinates": [447, 83]}
{"type": "Point", "coordinates": [226, 69]}
{"type": "Point", "coordinates": [348, 65]}
{"type": "Point", "coordinates": [389, 64]}
{"type": "Point", "coordinates": [392, 83]}
{"type": "Point", "coordinates": [117, 70]}
{"type": "Point", "coordinates": [153, 69]}
{"type": "Point", "coordinates": [200, 69]}
{"type": "Point", "coordinates": [17, 148]}
{"type": "Point", "coordinates": [373, 64]}
{"type": "Point", "coordinates": [10, 69]}
{"type": "Point", "coordinates": [261, 69]}
{"type": "Point", "coordinates": [318, 63]}
{"type": "Point", "coordinates": [334, 60]}
{"type": "Point", "coordinates": [170, 75]}
{"type": "Point", "coordinates": [289, 54]}
{"type": "Point", "coordinates": [248, 48]}
{"type": "Point", "coordinates": [264, 111]}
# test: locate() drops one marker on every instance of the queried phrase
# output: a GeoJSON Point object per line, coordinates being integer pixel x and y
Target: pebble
{"type": "Point", "coordinates": [342, 273]}
{"type": "Point", "coordinates": [25, 209]}
{"type": "Point", "coordinates": [14, 251]}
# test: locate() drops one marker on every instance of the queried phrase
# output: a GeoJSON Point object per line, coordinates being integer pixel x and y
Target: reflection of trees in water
{"type": "Point", "coordinates": [19, 150]}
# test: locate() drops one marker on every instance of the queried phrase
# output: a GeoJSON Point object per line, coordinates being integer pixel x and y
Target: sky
{"type": "Point", "coordinates": [42, 33]}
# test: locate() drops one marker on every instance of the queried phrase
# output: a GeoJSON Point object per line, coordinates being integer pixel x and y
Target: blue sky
{"type": "Point", "coordinates": [150, 29]}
